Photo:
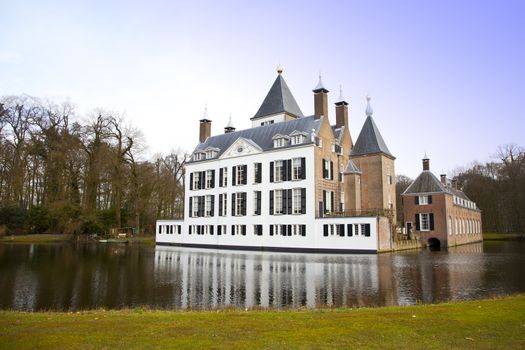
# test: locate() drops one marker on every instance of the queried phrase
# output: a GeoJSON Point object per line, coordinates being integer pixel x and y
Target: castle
{"type": "Point", "coordinates": [289, 183]}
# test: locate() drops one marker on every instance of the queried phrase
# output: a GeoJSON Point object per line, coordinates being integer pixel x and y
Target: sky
{"type": "Point", "coordinates": [447, 78]}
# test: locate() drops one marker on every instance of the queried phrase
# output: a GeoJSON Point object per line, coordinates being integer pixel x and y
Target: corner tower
{"type": "Point", "coordinates": [372, 156]}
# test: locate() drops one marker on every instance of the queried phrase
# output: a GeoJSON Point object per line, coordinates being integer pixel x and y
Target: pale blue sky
{"type": "Point", "coordinates": [446, 77]}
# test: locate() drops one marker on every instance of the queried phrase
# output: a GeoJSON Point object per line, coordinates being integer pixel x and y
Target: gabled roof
{"type": "Point", "coordinates": [370, 140]}
{"type": "Point", "coordinates": [278, 100]}
{"type": "Point", "coordinates": [351, 168]}
{"type": "Point", "coordinates": [262, 135]}
{"type": "Point", "coordinates": [427, 182]}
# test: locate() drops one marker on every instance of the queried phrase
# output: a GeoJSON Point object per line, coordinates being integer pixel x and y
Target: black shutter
{"type": "Point", "coordinates": [429, 199]}
{"type": "Point", "coordinates": [271, 230]}
{"type": "Point", "coordinates": [303, 200]}
{"type": "Point", "coordinates": [243, 203]}
{"type": "Point", "coordinates": [417, 222]}
{"type": "Point", "coordinates": [332, 200]}
{"type": "Point", "coordinates": [416, 199]}
{"type": "Point", "coordinates": [271, 202]}
{"type": "Point", "coordinates": [245, 172]}
{"type": "Point", "coordinates": [325, 230]}
{"type": "Point", "coordinates": [191, 181]}
{"type": "Point", "coordinates": [221, 176]}
{"type": "Point", "coordinates": [342, 230]}
{"type": "Point", "coordinates": [367, 230]}
{"type": "Point", "coordinates": [271, 171]}
{"type": "Point", "coordinates": [211, 230]}
{"type": "Point", "coordinates": [303, 230]}
{"type": "Point", "coordinates": [201, 206]}
{"type": "Point", "coordinates": [201, 180]}
{"type": "Point", "coordinates": [289, 230]}
{"type": "Point", "coordinates": [258, 169]}
{"type": "Point", "coordinates": [213, 179]}
{"type": "Point", "coordinates": [258, 203]}
{"type": "Point", "coordinates": [284, 170]}
{"type": "Point", "coordinates": [324, 201]}
{"type": "Point", "coordinates": [233, 204]}
{"type": "Point", "coordinates": [289, 170]}
{"type": "Point", "coordinates": [303, 168]}
{"type": "Point", "coordinates": [325, 170]}
{"type": "Point", "coordinates": [220, 205]}
{"type": "Point", "coordinates": [219, 230]}
{"type": "Point", "coordinates": [290, 198]}
{"type": "Point", "coordinates": [331, 171]}
{"type": "Point", "coordinates": [212, 204]}
{"type": "Point", "coordinates": [190, 207]}
{"type": "Point", "coordinates": [349, 229]}
{"type": "Point", "coordinates": [243, 228]}
{"type": "Point", "coordinates": [234, 176]}
{"type": "Point", "coordinates": [431, 219]}
{"type": "Point", "coordinates": [233, 230]}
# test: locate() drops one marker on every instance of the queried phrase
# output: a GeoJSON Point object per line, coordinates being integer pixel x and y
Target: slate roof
{"type": "Point", "coordinates": [278, 100]}
{"type": "Point", "coordinates": [351, 168]}
{"type": "Point", "coordinates": [370, 140]}
{"type": "Point", "coordinates": [261, 135]}
{"type": "Point", "coordinates": [427, 182]}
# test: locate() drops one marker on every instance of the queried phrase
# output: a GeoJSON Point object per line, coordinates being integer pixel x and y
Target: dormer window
{"type": "Point", "coordinates": [198, 156]}
{"type": "Point", "coordinates": [297, 137]}
{"type": "Point", "coordinates": [280, 141]}
{"type": "Point", "coordinates": [211, 152]}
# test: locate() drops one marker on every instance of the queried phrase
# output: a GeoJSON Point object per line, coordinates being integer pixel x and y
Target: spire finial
{"type": "Point", "coordinates": [320, 85]}
{"type": "Point", "coordinates": [369, 111]}
{"type": "Point", "coordinates": [280, 69]}
{"type": "Point", "coordinates": [341, 97]}
{"type": "Point", "coordinates": [230, 124]}
{"type": "Point", "coordinates": [205, 111]}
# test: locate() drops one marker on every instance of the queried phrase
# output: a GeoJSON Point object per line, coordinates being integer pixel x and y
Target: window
{"type": "Point", "coordinates": [257, 202]}
{"type": "Point", "coordinates": [257, 230]}
{"type": "Point", "coordinates": [279, 142]}
{"type": "Point", "coordinates": [211, 154]}
{"type": "Point", "coordinates": [296, 201]}
{"type": "Point", "coordinates": [238, 230]}
{"type": "Point", "coordinates": [268, 122]}
{"type": "Point", "coordinates": [341, 201]}
{"type": "Point", "coordinates": [388, 176]}
{"type": "Point", "coordinates": [223, 177]}
{"type": "Point", "coordinates": [194, 203]}
{"type": "Point", "coordinates": [241, 174]}
{"type": "Point", "coordinates": [223, 204]}
{"type": "Point", "coordinates": [208, 208]}
{"type": "Point", "coordinates": [278, 202]}
{"type": "Point", "coordinates": [196, 180]}
{"type": "Point", "coordinates": [210, 175]}
{"type": "Point", "coordinates": [341, 172]}
{"type": "Point", "coordinates": [328, 169]}
{"type": "Point", "coordinates": [297, 168]}
{"type": "Point", "coordinates": [297, 139]}
{"type": "Point", "coordinates": [198, 156]}
{"type": "Point", "coordinates": [449, 225]}
{"type": "Point", "coordinates": [239, 203]}
{"type": "Point", "coordinates": [424, 222]}
{"type": "Point", "coordinates": [278, 171]}
{"type": "Point", "coordinates": [257, 167]}
{"type": "Point", "coordinates": [356, 230]}
{"type": "Point", "coordinates": [328, 201]}
{"type": "Point", "coordinates": [365, 230]}
{"type": "Point", "coordinates": [423, 200]}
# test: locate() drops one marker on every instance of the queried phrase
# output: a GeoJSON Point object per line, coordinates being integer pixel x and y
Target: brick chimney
{"type": "Point", "coordinates": [204, 130]}
{"type": "Point", "coordinates": [341, 111]}
{"type": "Point", "coordinates": [320, 100]}
{"type": "Point", "coordinates": [426, 164]}
{"type": "Point", "coordinates": [443, 179]}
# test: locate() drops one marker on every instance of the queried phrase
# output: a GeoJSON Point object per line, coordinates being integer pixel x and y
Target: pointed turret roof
{"type": "Point", "coordinates": [278, 100]}
{"type": "Point", "coordinates": [370, 140]}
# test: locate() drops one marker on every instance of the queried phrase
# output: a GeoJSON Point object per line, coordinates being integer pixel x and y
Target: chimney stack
{"type": "Point", "coordinates": [205, 130]}
{"type": "Point", "coordinates": [320, 100]}
{"type": "Point", "coordinates": [443, 179]}
{"type": "Point", "coordinates": [426, 163]}
{"type": "Point", "coordinates": [455, 184]}
{"type": "Point", "coordinates": [341, 111]}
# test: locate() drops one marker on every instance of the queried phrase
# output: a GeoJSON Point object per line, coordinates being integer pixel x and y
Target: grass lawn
{"type": "Point", "coordinates": [502, 236]}
{"type": "Point", "coordinates": [40, 238]}
{"type": "Point", "coordinates": [485, 324]}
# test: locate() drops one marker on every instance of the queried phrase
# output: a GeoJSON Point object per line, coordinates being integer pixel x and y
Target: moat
{"type": "Point", "coordinates": [69, 276]}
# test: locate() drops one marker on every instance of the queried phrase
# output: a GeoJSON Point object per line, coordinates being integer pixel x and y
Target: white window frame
{"type": "Point", "coordinates": [208, 178]}
{"type": "Point", "coordinates": [224, 176]}
{"type": "Point", "coordinates": [195, 208]}
{"type": "Point", "coordinates": [277, 173]}
{"type": "Point", "coordinates": [423, 200]}
{"type": "Point", "coordinates": [424, 222]}
{"type": "Point", "coordinates": [239, 169]}
{"type": "Point", "coordinates": [296, 200]}
{"type": "Point", "coordinates": [224, 204]}
{"type": "Point", "coordinates": [196, 180]}
{"type": "Point", "coordinates": [207, 205]}
{"type": "Point", "coordinates": [296, 168]}
{"type": "Point", "coordinates": [255, 203]}
{"type": "Point", "coordinates": [238, 203]}
{"type": "Point", "coordinates": [278, 202]}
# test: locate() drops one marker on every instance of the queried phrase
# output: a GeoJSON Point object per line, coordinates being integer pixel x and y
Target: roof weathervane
{"type": "Point", "coordinates": [341, 97]}
{"type": "Point", "coordinates": [320, 85]}
{"type": "Point", "coordinates": [280, 69]}
{"type": "Point", "coordinates": [369, 111]}
{"type": "Point", "coordinates": [230, 124]}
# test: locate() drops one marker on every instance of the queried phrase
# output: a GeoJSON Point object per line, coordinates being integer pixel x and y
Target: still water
{"type": "Point", "coordinates": [84, 276]}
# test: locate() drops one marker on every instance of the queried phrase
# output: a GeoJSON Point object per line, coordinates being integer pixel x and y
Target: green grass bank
{"type": "Point", "coordinates": [54, 238]}
{"type": "Point", "coordinates": [483, 324]}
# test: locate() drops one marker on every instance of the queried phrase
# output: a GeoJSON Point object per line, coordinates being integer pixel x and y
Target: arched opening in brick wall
{"type": "Point", "coordinates": [434, 244]}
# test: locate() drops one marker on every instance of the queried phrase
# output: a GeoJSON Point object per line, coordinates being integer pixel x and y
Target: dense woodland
{"type": "Point", "coordinates": [65, 173]}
